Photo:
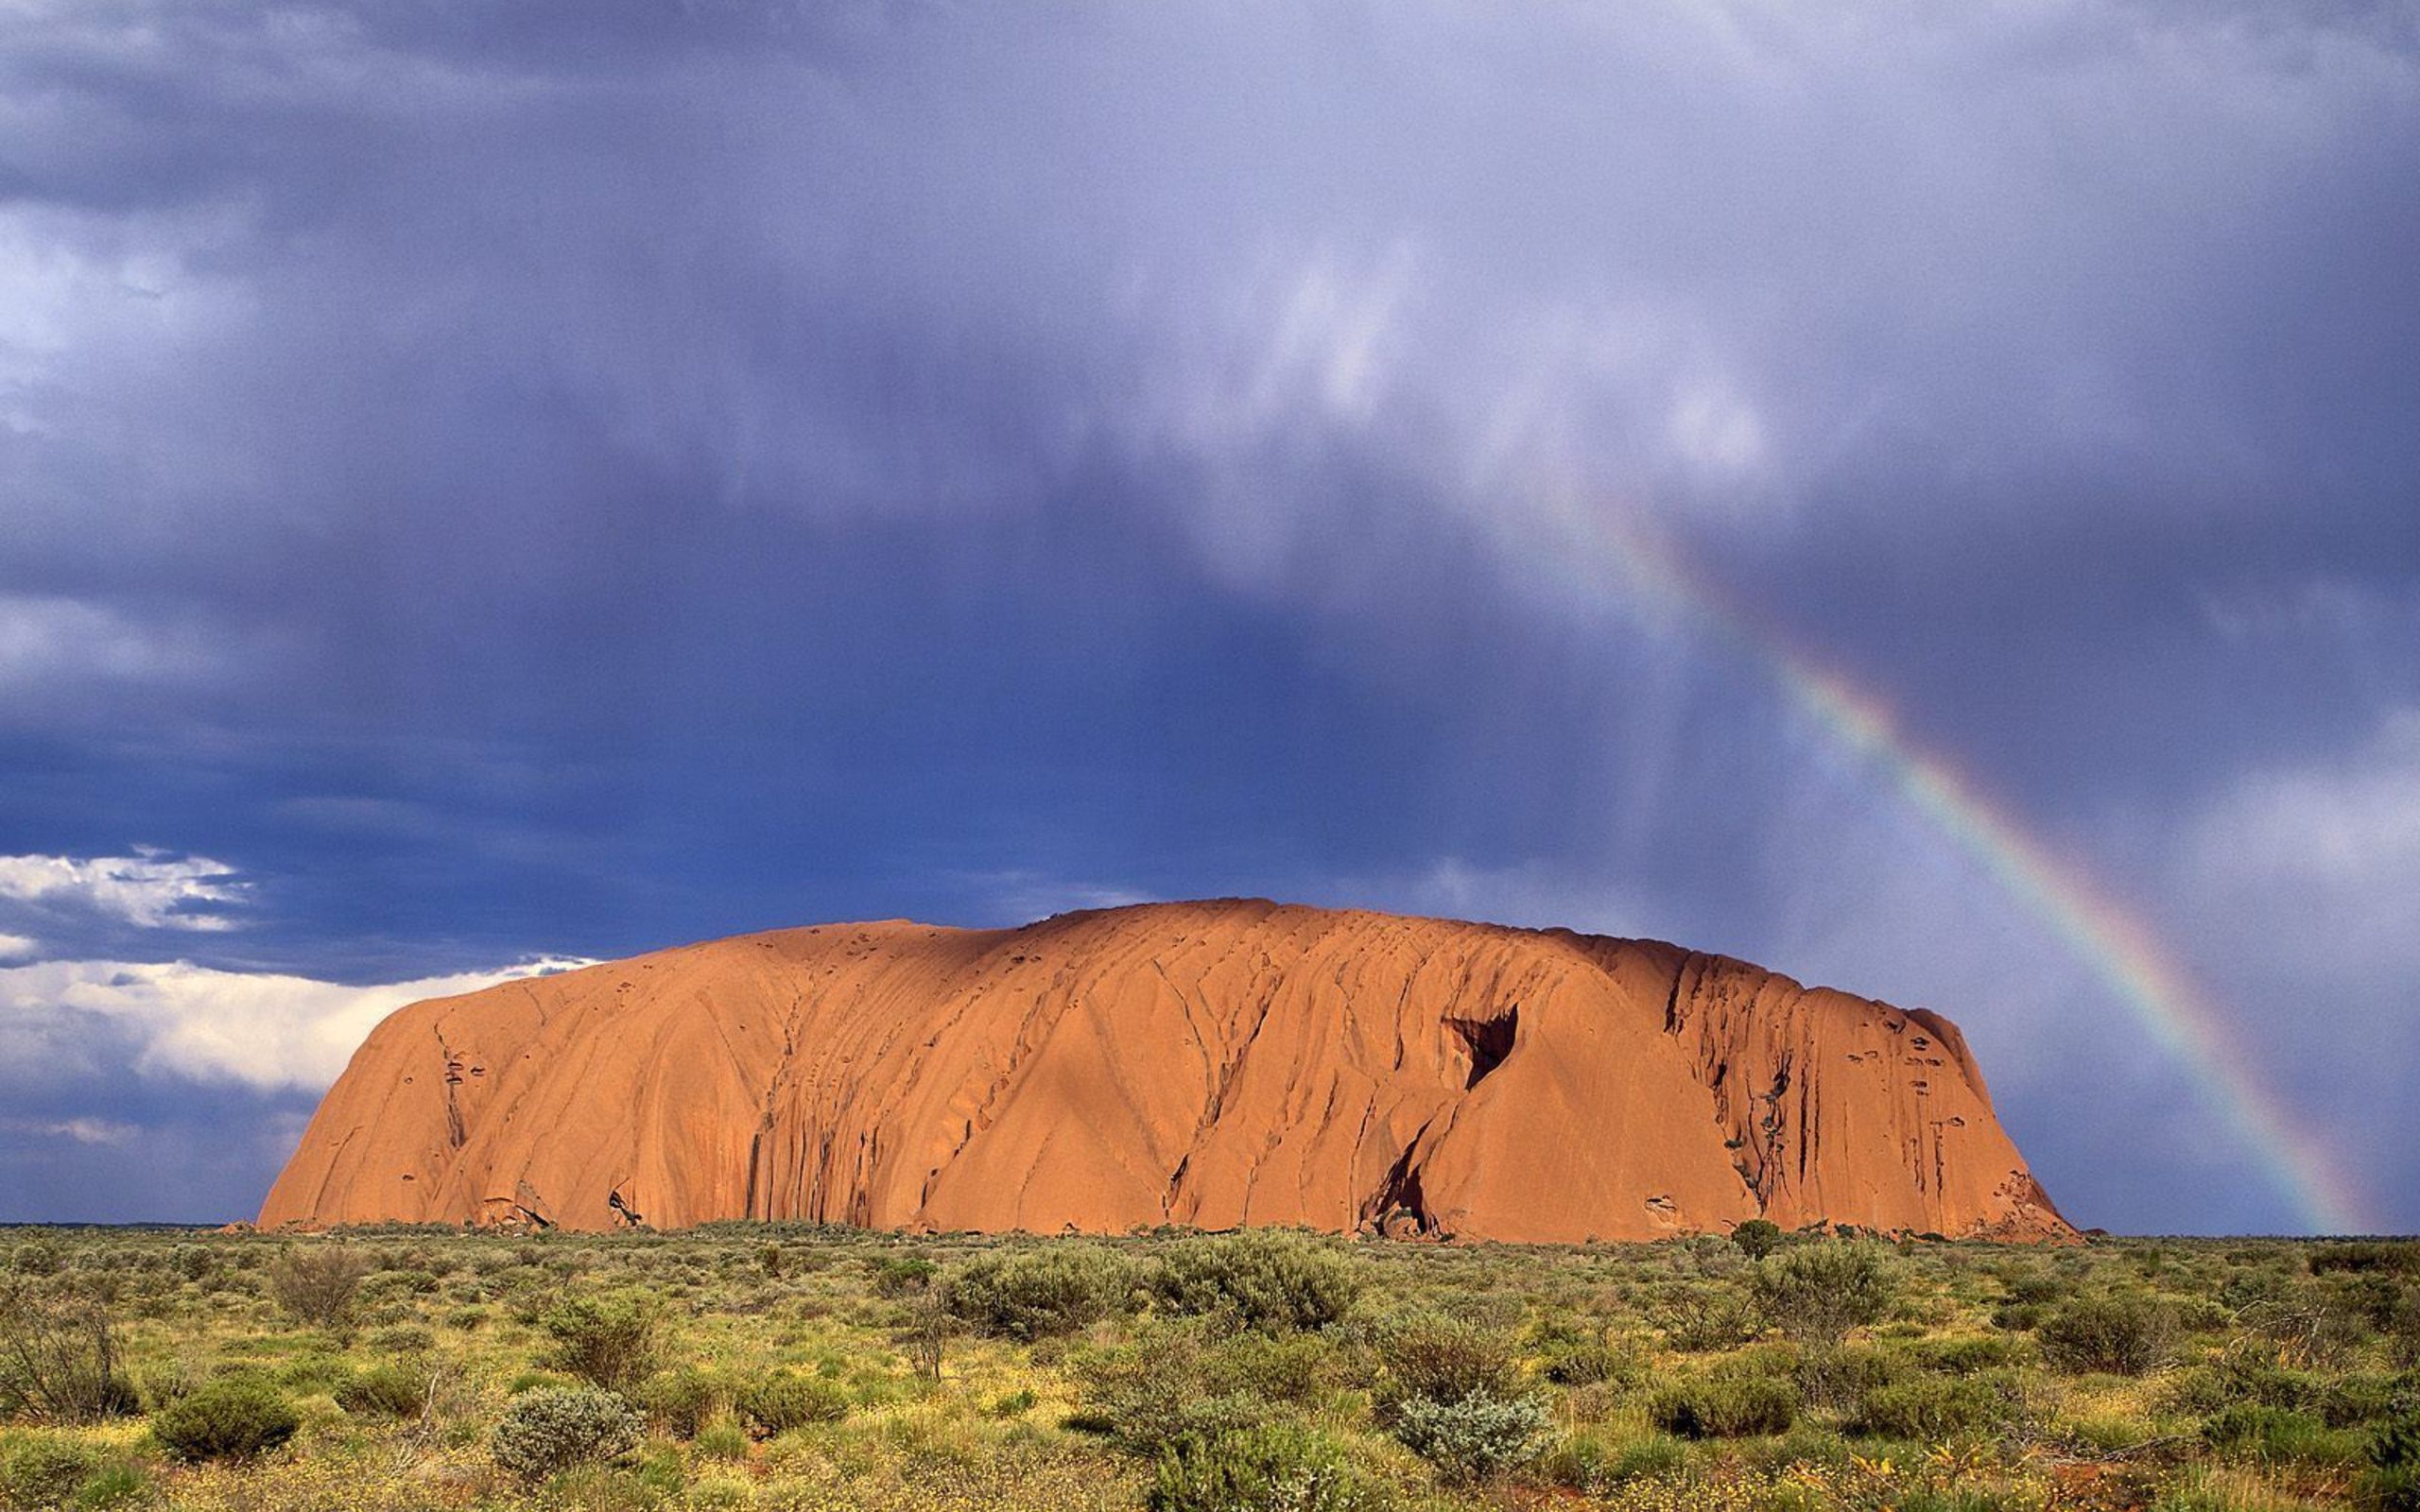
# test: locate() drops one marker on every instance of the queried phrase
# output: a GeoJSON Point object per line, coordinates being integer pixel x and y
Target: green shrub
{"type": "Point", "coordinates": [2281, 1436]}
{"type": "Point", "coordinates": [1927, 1408]}
{"type": "Point", "coordinates": [1283, 1368]}
{"type": "Point", "coordinates": [1474, 1438]}
{"type": "Point", "coordinates": [785, 1399]}
{"type": "Point", "coordinates": [2398, 1257]}
{"type": "Point", "coordinates": [2393, 1483]}
{"type": "Point", "coordinates": [2199, 1315]}
{"type": "Point", "coordinates": [682, 1400]}
{"type": "Point", "coordinates": [2036, 1287]}
{"type": "Point", "coordinates": [1758, 1237]}
{"type": "Point", "coordinates": [2108, 1434]}
{"type": "Point", "coordinates": [1964, 1498]}
{"type": "Point", "coordinates": [1968, 1356]}
{"type": "Point", "coordinates": [535, 1380]}
{"type": "Point", "coordinates": [1704, 1320]}
{"type": "Point", "coordinates": [1578, 1462]}
{"type": "Point", "coordinates": [1840, 1376]}
{"type": "Point", "coordinates": [313, 1373]}
{"type": "Point", "coordinates": [720, 1438]}
{"type": "Point", "coordinates": [401, 1338]}
{"type": "Point", "coordinates": [1165, 1386]}
{"type": "Point", "coordinates": [2403, 1331]}
{"type": "Point", "coordinates": [2395, 1444]}
{"type": "Point", "coordinates": [384, 1391]}
{"type": "Point", "coordinates": [1648, 1459]}
{"type": "Point", "coordinates": [2241, 1288]}
{"type": "Point", "coordinates": [901, 1275]}
{"type": "Point", "coordinates": [1807, 1443]}
{"type": "Point", "coordinates": [1585, 1463]}
{"type": "Point", "coordinates": [556, 1428]}
{"type": "Point", "coordinates": [2238, 1374]}
{"type": "Point", "coordinates": [315, 1285]}
{"type": "Point", "coordinates": [42, 1470]}
{"type": "Point", "coordinates": [1439, 1359]}
{"type": "Point", "coordinates": [1590, 1362]}
{"type": "Point", "coordinates": [59, 1359]}
{"type": "Point", "coordinates": [2117, 1336]}
{"type": "Point", "coordinates": [1035, 1294]}
{"type": "Point", "coordinates": [1818, 1292]}
{"type": "Point", "coordinates": [2392, 1489]}
{"type": "Point", "coordinates": [390, 1285]}
{"type": "Point", "coordinates": [117, 1484]}
{"type": "Point", "coordinates": [606, 1340]}
{"type": "Point", "coordinates": [234, 1418]}
{"type": "Point", "coordinates": [2354, 1400]}
{"type": "Point", "coordinates": [2371, 1300]}
{"type": "Point", "coordinates": [1278, 1467]}
{"type": "Point", "coordinates": [1266, 1278]}
{"type": "Point", "coordinates": [1725, 1406]}
{"type": "Point", "coordinates": [2311, 1325]}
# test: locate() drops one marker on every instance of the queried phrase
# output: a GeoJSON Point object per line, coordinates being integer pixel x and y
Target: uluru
{"type": "Point", "coordinates": [1204, 1064]}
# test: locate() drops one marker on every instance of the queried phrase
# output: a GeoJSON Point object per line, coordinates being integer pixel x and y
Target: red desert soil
{"type": "Point", "coordinates": [1210, 1064]}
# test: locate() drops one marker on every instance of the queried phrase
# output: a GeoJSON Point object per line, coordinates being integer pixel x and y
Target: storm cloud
{"type": "Point", "coordinates": [557, 481]}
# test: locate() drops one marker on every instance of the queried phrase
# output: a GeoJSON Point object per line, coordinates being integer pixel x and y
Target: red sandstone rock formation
{"type": "Point", "coordinates": [1207, 1064]}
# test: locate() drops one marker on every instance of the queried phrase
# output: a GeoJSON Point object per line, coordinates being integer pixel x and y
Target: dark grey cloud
{"type": "Point", "coordinates": [578, 476]}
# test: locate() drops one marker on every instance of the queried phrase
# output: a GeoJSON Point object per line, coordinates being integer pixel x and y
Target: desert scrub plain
{"type": "Point", "coordinates": [777, 1367]}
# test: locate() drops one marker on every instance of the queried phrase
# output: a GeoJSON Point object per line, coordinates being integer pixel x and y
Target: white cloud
{"type": "Point", "coordinates": [2325, 606]}
{"type": "Point", "coordinates": [1020, 896]}
{"type": "Point", "coordinates": [46, 641]}
{"type": "Point", "coordinates": [91, 294]}
{"type": "Point", "coordinates": [1326, 341]}
{"type": "Point", "coordinates": [147, 888]}
{"type": "Point", "coordinates": [2323, 858]}
{"type": "Point", "coordinates": [1530, 893]}
{"type": "Point", "coordinates": [17, 947]}
{"type": "Point", "coordinates": [257, 1029]}
{"type": "Point", "coordinates": [1716, 432]}
{"type": "Point", "coordinates": [81, 1130]}
{"type": "Point", "coordinates": [2299, 882]}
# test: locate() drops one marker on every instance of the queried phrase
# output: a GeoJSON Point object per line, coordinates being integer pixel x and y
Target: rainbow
{"type": "Point", "coordinates": [2156, 990]}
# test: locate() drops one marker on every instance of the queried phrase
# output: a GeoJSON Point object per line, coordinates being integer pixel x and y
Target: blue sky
{"type": "Point", "coordinates": [479, 488]}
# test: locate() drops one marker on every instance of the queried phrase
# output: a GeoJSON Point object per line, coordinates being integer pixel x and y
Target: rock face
{"type": "Point", "coordinates": [1206, 1064]}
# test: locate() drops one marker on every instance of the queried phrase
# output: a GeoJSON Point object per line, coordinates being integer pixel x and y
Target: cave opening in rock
{"type": "Point", "coordinates": [1486, 1041]}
